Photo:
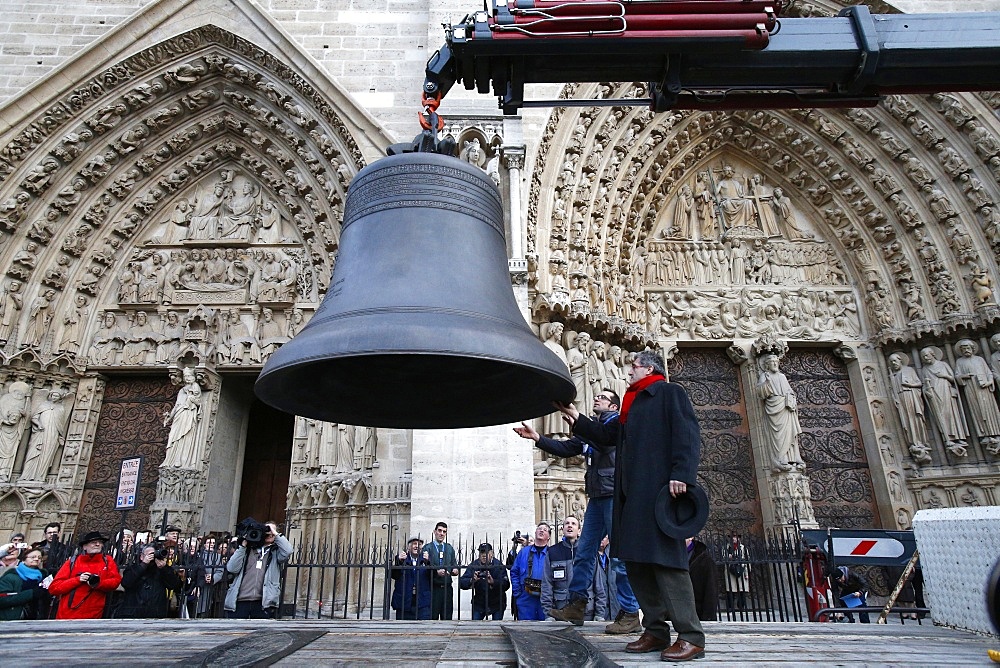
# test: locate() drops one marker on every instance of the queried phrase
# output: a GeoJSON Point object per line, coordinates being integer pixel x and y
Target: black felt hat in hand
{"type": "Point", "coordinates": [682, 516]}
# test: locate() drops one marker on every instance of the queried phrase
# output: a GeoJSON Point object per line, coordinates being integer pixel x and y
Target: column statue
{"type": "Point", "coordinates": [552, 424]}
{"type": "Point", "coordinates": [48, 430]}
{"type": "Point", "coordinates": [941, 392]}
{"type": "Point", "coordinates": [13, 420]}
{"type": "Point", "coordinates": [183, 448]}
{"type": "Point", "coordinates": [974, 375]}
{"type": "Point", "coordinates": [906, 390]}
{"type": "Point", "coordinates": [781, 418]}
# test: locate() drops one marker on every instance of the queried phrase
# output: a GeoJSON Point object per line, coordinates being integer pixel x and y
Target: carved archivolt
{"type": "Point", "coordinates": [175, 203]}
{"type": "Point", "coordinates": [848, 209]}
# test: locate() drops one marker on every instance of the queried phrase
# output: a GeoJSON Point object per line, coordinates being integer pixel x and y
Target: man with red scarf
{"type": "Point", "coordinates": [658, 444]}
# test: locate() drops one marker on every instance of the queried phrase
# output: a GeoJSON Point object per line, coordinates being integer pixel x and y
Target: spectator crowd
{"type": "Point", "coordinates": [142, 575]}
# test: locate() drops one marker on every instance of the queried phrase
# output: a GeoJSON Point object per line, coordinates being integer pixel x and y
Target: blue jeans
{"type": "Point", "coordinates": [597, 525]}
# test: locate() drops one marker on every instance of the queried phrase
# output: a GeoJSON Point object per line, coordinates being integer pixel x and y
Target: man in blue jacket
{"type": "Point", "coordinates": [600, 488]}
{"type": "Point", "coordinates": [527, 573]}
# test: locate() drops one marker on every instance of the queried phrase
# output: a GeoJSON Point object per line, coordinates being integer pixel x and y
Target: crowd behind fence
{"type": "Point", "coordinates": [353, 580]}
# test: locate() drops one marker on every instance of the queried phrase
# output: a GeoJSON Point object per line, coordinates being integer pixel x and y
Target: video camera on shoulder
{"type": "Point", "coordinates": [252, 531]}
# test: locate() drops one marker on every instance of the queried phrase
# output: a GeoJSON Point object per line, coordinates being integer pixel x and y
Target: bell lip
{"type": "Point", "coordinates": [268, 389]}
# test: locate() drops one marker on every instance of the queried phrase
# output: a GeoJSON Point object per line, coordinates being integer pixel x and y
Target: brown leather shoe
{"type": "Point", "coordinates": [682, 650]}
{"type": "Point", "coordinates": [647, 642]}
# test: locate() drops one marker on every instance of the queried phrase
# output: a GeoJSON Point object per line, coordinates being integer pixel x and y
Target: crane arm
{"type": "Point", "coordinates": [715, 54]}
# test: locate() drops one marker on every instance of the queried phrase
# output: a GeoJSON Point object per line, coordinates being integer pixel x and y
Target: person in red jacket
{"type": "Point", "coordinates": [84, 581]}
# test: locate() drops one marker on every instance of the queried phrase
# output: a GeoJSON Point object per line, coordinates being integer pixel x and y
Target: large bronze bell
{"type": "Point", "coordinates": [419, 328]}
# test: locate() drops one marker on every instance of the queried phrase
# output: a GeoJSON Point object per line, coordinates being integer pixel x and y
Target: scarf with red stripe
{"type": "Point", "coordinates": [634, 389]}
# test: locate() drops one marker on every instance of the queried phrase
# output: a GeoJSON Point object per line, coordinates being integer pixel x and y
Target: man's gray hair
{"type": "Point", "coordinates": [650, 358]}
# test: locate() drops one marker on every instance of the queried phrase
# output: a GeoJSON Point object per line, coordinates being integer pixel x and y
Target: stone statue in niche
{"type": "Point", "coordinates": [241, 214]}
{"type": "Point", "coordinates": [941, 393]}
{"type": "Point", "coordinates": [907, 396]}
{"type": "Point", "coordinates": [204, 223]}
{"type": "Point", "coordinates": [183, 446]}
{"type": "Point", "coordinates": [74, 325]}
{"type": "Point", "coordinates": [735, 206]}
{"type": "Point", "coordinates": [976, 378]}
{"type": "Point", "coordinates": [236, 344]}
{"type": "Point", "coordinates": [296, 321]}
{"type": "Point", "coordinates": [269, 333]}
{"type": "Point", "coordinates": [346, 436]}
{"type": "Point", "coordinates": [48, 432]}
{"type": "Point", "coordinates": [139, 341]}
{"type": "Point", "coordinates": [995, 357]}
{"type": "Point", "coordinates": [553, 424]}
{"type": "Point", "coordinates": [170, 340]}
{"type": "Point", "coordinates": [271, 229]}
{"type": "Point", "coordinates": [13, 421]}
{"type": "Point", "coordinates": [39, 319]}
{"type": "Point", "coordinates": [472, 152]}
{"type": "Point", "coordinates": [781, 417]}
{"type": "Point", "coordinates": [108, 341]}
{"type": "Point", "coordinates": [11, 303]}
{"type": "Point", "coordinates": [580, 369]}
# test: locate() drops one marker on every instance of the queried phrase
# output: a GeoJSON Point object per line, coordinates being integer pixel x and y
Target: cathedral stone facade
{"type": "Point", "coordinates": [172, 182]}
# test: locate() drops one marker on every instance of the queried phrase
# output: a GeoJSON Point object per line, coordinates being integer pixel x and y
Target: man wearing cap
{"type": "Point", "coordinates": [411, 596]}
{"type": "Point", "coordinates": [658, 448]}
{"type": "Point", "coordinates": [85, 580]}
{"type": "Point", "coordinates": [487, 578]}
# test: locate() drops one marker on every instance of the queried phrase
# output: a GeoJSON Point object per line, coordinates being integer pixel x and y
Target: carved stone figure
{"type": "Point", "coordinates": [781, 423]}
{"type": "Point", "coordinates": [183, 447]}
{"type": "Point", "coordinates": [13, 421]}
{"type": "Point", "coordinates": [39, 319]}
{"type": "Point", "coordinates": [205, 216]}
{"type": "Point", "coordinates": [552, 424]}
{"type": "Point", "coordinates": [578, 359]}
{"type": "Point", "coordinates": [236, 343]}
{"type": "Point", "coordinates": [139, 340]}
{"type": "Point", "coordinates": [973, 373]}
{"type": "Point", "coordinates": [11, 303]}
{"type": "Point", "coordinates": [107, 343]}
{"type": "Point", "coordinates": [271, 230]}
{"type": "Point", "coordinates": [907, 396]}
{"type": "Point", "coordinates": [685, 220]}
{"type": "Point", "coordinates": [168, 347]}
{"type": "Point", "coordinates": [941, 392]}
{"type": "Point", "coordinates": [736, 208]}
{"type": "Point", "coordinates": [241, 219]}
{"type": "Point", "coordinates": [74, 326]}
{"type": "Point", "coordinates": [269, 333]}
{"type": "Point", "coordinates": [48, 431]}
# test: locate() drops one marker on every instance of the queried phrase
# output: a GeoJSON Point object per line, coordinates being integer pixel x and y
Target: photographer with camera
{"type": "Point", "coordinates": [487, 578]}
{"type": "Point", "coordinates": [527, 573]}
{"type": "Point", "coordinates": [256, 564]}
{"type": "Point", "coordinates": [85, 580]}
{"type": "Point", "coordinates": [148, 584]}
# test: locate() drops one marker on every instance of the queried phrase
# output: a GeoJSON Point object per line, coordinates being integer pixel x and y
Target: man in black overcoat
{"type": "Point", "coordinates": [659, 444]}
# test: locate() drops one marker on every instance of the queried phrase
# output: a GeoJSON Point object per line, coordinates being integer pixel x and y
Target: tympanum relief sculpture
{"type": "Point", "coordinates": [731, 257]}
{"type": "Point", "coordinates": [218, 277]}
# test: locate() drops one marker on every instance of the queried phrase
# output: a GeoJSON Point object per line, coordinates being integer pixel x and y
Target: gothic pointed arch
{"type": "Point", "coordinates": [185, 199]}
{"type": "Point", "coordinates": [820, 205]}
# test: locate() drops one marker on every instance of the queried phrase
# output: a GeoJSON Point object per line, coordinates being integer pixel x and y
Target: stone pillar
{"type": "Point", "coordinates": [514, 161]}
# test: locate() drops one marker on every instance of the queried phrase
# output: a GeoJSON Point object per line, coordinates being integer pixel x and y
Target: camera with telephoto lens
{"type": "Point", "coordinates": [161, 554]}
{"type": "Point", "coordinates": [252, 531]}
{"type": "Point", "coordinates": [516, 538]}
{"type": "Point", "coordinates": [93, 579]}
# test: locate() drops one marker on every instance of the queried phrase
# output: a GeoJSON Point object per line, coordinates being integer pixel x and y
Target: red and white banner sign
{"type": "Point", "coordinates": [867, 547]}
